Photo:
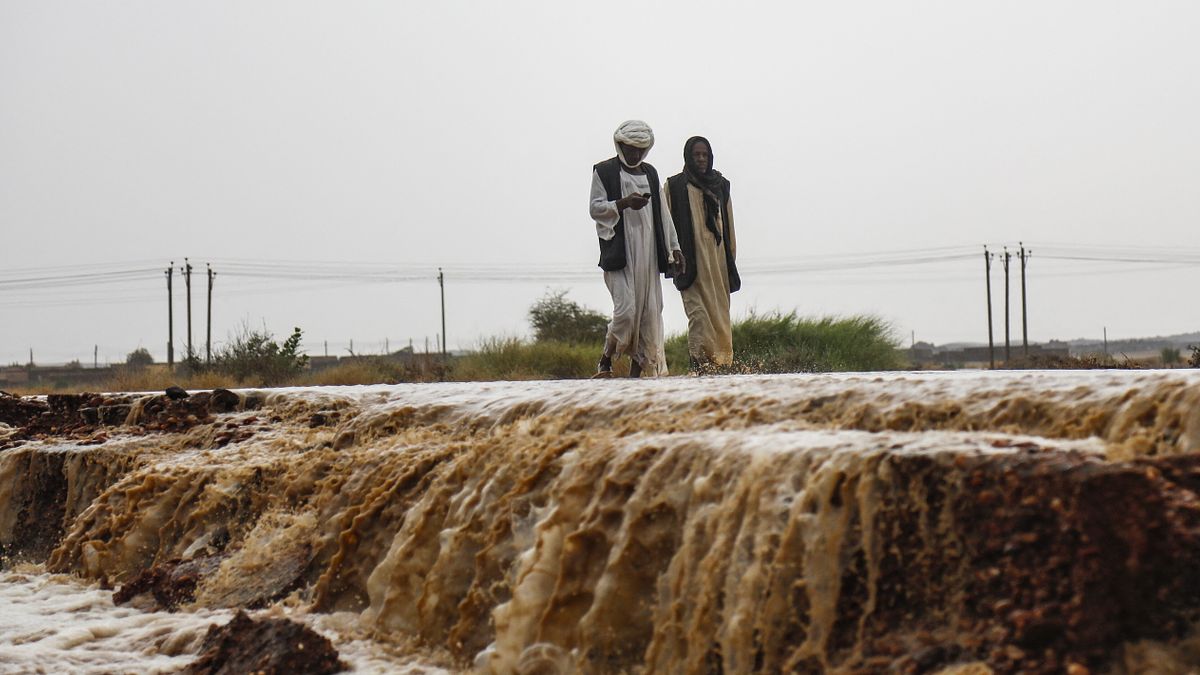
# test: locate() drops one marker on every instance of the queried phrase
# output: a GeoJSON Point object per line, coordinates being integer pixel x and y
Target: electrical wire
{"type": "Point", "coordinates": [129, 282]}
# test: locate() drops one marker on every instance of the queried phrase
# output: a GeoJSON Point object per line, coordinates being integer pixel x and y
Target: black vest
{"type": "Point", "coordinates": [681, 213]}
{"type": "Point", "coordinates": [612, 251]}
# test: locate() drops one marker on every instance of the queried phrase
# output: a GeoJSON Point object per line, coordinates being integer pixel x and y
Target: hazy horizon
{"type": "Point", "coordinates": [382, 141]}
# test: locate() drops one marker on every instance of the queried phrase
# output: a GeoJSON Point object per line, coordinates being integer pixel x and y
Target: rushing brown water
{"type": "Point", "coordinates": [971, 522]}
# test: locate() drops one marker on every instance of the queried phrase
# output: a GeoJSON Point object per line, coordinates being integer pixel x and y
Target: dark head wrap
{"type": "Point", "coordinates": [710, 181]}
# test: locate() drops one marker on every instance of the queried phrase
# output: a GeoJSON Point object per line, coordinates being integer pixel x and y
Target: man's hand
{"type": "Point", "coordinates": [634, 201]}
{"type": "Point", "coordinates": [678, 264]}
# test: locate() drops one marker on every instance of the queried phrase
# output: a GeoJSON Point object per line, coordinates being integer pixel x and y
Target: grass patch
{"type": "Point", "coordinates": [515, 359]}
{"type": "Point", "coordinates": [374, 370]}
{"type": "Point", "coordinates": [785, 343]}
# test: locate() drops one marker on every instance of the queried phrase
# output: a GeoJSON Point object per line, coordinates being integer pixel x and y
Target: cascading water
{"type": "Point", "coordinates": [963, 522]}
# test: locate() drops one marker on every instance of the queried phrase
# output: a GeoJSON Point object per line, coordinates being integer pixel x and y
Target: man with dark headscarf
{"type": "Point", "coordinates": [637, 242]}
{"type": "Point", "coordinates": [698, 199]}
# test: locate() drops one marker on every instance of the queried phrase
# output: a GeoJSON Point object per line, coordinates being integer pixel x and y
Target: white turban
{"type": "Point", "coordinates": [636, 133]}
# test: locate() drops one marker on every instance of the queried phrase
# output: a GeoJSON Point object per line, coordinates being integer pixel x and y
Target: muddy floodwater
{"type": "Point", "coordinates": [967, 522]}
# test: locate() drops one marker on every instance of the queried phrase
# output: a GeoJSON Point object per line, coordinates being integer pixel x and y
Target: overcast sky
{"type": "Point", "coordinates": [360, 135]}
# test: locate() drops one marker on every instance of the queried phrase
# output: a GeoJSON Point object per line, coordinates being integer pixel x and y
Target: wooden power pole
{"type": "Point", "coordinates": [442, 286]}
{"type": "Point", "coordinates": [1007, 345]}
{"type": "Point", "coordinates": [1024, 307]}
{"type": "Point", "coordinates": [170, 272]}
{"type": "Point", "coordinates": [987, 274]}
{"type": "Point", "coordinates": [187, 280]}
{"type": "Point", "coordinates": [208, 341]}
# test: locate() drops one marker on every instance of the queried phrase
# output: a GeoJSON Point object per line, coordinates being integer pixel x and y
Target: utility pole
{"type": "Point", "coordinates": [987, 273]}
{"type": "Point", "coordinates": [208, 343]}
{"type": "Point", "coordinates": [95, 357]}
{"type": "Point", "coordinates": [1025, 255]}
{"type": "Point", "coordinates": [442, 285]}
{"type": "Point", "coordinates": [187, 278]}
{"type": "Point", "coordinates": [170, 272]}
{"type": "Point", "coordinates": [327, 349]}
{"type": "Point", "coordinates": [1007, 345]}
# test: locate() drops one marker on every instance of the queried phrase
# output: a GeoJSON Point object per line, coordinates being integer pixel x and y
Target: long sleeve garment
{"type": "Point", "coordinates": [706, 301]}
{"type": "Point", "coordinates": [636, 328]}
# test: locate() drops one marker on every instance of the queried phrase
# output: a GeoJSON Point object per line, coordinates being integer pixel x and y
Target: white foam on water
{"type": "Point", "coordinates": [56, 623]}
{"type": "Point", "coordinates": [53, 623]}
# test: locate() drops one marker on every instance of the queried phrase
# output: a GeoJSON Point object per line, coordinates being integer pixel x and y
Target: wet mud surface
{"type": "Point", "coordinates": [1001, 522]}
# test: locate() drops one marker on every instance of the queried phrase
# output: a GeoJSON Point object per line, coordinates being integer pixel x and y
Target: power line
{"type": "Point", "coordinates": [126, 279]}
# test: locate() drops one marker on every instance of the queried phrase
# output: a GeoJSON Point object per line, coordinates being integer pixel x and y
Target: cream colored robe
{"type": "Point", "coordinates": [706, 301]}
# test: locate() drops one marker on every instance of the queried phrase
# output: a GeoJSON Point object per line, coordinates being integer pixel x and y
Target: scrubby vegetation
{"type": "Point", "coordinates": [253, 357]}
{"type": "Point", "coordinates": [556, 319]}
{"type": "Point", "coordinates": [786, 343]}
{"type": "Point", "coordinates": [516, 359]}
{"type": "Point", "coordinates": [139, 358]}
{"type": "Point", "coordinates": [772, 343]}
{"type": "Point", "coordinates": [568, 341]}
{"type": "Point", "coordinates": [377, 370]}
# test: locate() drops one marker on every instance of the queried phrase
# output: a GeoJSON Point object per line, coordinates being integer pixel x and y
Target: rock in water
{"type": "Point", "coordinates": [171, 583]}
{"type": "Point", "coordinates": [223, 400]}
{"type": "Point", "coordinates": [16, 411]}
{"type": "Point", "coordinates": [176, 393]}
{"type": "Point", "coordinates": [266, 647]}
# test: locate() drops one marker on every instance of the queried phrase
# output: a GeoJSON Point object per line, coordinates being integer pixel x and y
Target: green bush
{"type": "Point", "coordinates": [139, 358]}
{"type": "Point", "coordinates": [1194, 361]}
{"type": "Point", "coordinates": [784, 343]}
{"type": "Point", "coordinates": [253, 357]}
{"type": "Point", "coordinates": [556, 319]}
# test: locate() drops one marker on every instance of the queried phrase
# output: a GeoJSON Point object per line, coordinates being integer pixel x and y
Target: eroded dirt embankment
{"type": "Point", "coordinates": [1033, 521]}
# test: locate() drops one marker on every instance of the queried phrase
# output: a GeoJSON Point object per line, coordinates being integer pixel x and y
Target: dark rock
{"type": "Point", "coordinates": [176, 393]}
{"type": "Point", "coordinates": [114, 415]}
{"type": "Point", "coordinates": [67, 403]}
{"type": "Point", "coordinates": [268, 647]}
{"type": "Point", "coordinates": [223, 401]}
{"type": "Point", "coordinates": [254, 400]}
{"type": "Point", "coordinates": [172, 583]}
{"type": "Point", "coordinates": [322, 418]}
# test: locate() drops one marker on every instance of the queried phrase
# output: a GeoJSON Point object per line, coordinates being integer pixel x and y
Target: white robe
{"type": "Point", "coordinates": [636, 328]}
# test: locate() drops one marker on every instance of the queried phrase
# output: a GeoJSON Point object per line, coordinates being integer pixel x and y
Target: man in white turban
{"type": "Point", "coordinates": [636, 245]}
